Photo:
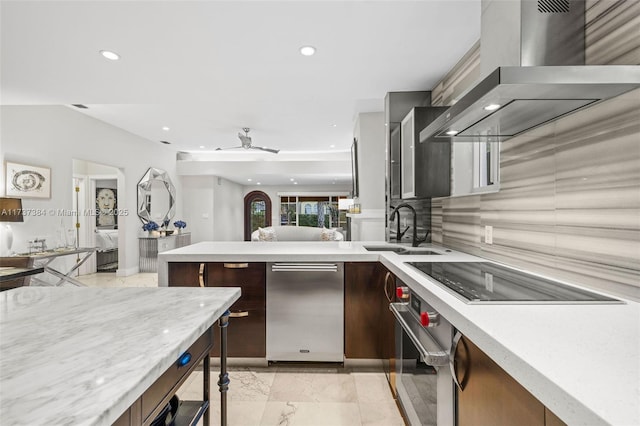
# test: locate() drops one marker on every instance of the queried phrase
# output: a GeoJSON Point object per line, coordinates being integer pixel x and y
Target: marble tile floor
{"type": "Point", "coordinates": [283, 395]}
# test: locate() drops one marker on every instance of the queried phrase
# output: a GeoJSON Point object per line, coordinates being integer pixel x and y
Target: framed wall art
{"type": "Point", "coordinates": [106, 205]}
{"type": "Point", "coordinates": [25, 181]}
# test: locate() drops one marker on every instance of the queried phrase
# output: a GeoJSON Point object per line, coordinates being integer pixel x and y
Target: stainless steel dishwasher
{"type": "Point", "coordinates": [305, 311]}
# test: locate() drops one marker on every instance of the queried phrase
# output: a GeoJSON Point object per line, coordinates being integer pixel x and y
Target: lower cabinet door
{"type": "Point", "coordinates": [186, 274]}
{"type": "Point", "coordinates": [246, 334]}
{"type": "Point", "coordinates": [490, 396]}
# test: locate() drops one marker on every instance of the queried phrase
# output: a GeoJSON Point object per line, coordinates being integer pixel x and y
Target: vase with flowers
{"type": "Point", "coordinates": [151, 227]}
{"type": "Point", "coordinates": [180, 225]}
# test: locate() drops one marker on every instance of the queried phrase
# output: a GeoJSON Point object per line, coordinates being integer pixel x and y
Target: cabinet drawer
{"type": "Point", "coordinates": [166, 385]}
{"type": "Point", "coordinates": [250, 277]}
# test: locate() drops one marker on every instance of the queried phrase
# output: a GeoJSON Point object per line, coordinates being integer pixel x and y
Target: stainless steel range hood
{"type": "Point", "coordinates": [552, 83]}
{"type": "Point", "coordinates": [529, 97]}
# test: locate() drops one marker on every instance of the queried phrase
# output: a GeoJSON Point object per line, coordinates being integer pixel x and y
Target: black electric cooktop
{"type": "Point", "coordinates": [486, 282]}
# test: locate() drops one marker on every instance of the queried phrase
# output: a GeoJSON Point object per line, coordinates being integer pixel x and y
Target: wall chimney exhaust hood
{"type": "Point", "coordinates": [549, 80]}
{"type": "Point", "coordinates": [512, 100]}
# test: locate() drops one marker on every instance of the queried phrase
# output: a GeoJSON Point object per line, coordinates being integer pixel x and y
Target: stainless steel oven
{"type": "Point", "coordinates": [424, 384]}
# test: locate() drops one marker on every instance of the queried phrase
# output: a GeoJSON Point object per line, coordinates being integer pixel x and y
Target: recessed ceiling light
{"type": "Point", "coordinates": [258, 183]}
{"type": "Point", "coordinates": [491, 107]}
{"type": "Point", "coordinates": [292, 179]}
{"type": "Point", "coordinates": [452, 132]}
{"type": "Point", "coordinates": [332, 146]}
{"type": "Point", "coordinates": [334, 125]}
{"type": "Point", "coordinates": [166, 129]}
{"type": "Point", "coordinates": [307, 50]}
{"type": "Point", "coordinates": [201, 146]}
{"type": "Point", "coordinates": [249, 180]}
{"type": "Point", "coordinates": [112, 56]}
{"type": "Point", "coordinates": [295, 183]}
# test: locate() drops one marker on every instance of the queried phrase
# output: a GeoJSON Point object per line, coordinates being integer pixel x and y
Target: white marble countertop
{"type": "Point", "coordinates": [581, 361]}
{"type": "Point", "coordinates": [82, 356]}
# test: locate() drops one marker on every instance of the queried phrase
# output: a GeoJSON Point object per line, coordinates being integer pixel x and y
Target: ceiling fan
{"type": "Point", "coordinates": [246, 143]}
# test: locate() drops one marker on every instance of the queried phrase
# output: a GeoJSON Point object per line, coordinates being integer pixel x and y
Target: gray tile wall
{"type": "Point", "coordinates": [569, 200]}
{"type": "Point", "coordinates": [569, 203]}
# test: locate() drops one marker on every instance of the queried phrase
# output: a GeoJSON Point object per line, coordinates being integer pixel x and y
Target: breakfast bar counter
{"type": "Point", "coordinates": [84, 356]}
{"type": "Point", "coordinates": [579, 360]}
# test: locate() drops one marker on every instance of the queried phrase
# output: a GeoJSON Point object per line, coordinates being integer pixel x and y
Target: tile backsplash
{"type": "Point", "coordinates": [423, 220]}
{"type": "Point", "coordinates": [569, 201]}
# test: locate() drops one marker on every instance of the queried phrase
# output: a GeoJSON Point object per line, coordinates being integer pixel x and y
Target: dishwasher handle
{"type": "Point", "coordinates": [435, 357]}
{"type": "Point", "coordinates": [304, 267]}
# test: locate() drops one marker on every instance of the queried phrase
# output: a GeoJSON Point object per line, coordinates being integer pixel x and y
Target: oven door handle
{"type": "Point", "coordinates": [433, 356]}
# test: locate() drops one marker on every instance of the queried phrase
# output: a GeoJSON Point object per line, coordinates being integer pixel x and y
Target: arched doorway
{"type": "Point", "coordinates": [257, 212]}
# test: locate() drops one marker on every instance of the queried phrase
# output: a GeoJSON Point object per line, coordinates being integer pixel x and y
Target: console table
{"type": "Point", "coordinates": [99, 356]}
{"type": "Point", "coordinates": [44, 260]}
{"type": "Point", "coordinates": [151, 246]}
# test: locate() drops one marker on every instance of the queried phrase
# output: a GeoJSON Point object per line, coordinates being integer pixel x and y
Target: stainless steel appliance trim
{"type": "Point", "coordinates": [304, 267]}
{"type": "Point", "coordinates": [436, 356]}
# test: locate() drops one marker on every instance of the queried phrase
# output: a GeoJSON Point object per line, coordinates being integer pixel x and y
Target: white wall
{"type": "Point", "coordinates": [228, 210]}
{"type": "Point", "coordinates": [370, 132]}
{"type": "Point", "coordinates": [213, 208]}
{"type": "Point", "coordinates": [197, 202]}
{"type": "Point", "coordinates": [52, 136]}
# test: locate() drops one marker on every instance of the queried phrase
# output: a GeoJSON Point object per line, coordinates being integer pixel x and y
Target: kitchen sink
{"type": "Point", "coordinates": [417, 252]}
{"type": "Point", "coordinates": [401, 250]}
{"type": "Point", "coordinates": [394, 249]}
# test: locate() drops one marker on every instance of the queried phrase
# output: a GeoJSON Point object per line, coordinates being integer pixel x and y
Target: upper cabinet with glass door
{"type": "Point", "coordinates": [426, 165]}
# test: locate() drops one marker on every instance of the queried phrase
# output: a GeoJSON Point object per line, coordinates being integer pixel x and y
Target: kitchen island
{"type": "Point", "coordinates": [84, 356]}
{"type": "Point", "coordinates": [579, 360]}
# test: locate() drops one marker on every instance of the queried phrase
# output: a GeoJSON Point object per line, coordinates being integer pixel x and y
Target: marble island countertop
{"type": "Point", "coordinates": [579, 360]}
{"type": "Point", "coordinates": [82, 356]}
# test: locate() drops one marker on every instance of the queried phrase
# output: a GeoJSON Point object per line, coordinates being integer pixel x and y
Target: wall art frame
{"type": "Point", "coordinates": [27, 181]}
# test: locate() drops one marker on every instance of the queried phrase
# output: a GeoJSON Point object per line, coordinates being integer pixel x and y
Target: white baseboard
{"type": "Point", "coordinates": [128, 271]}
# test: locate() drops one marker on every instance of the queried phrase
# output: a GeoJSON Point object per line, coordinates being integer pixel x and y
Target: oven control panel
{"type": "Point", "coordinates": [426, 315]}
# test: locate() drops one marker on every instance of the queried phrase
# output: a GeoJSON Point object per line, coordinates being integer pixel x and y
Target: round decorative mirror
{"type": "Point", "coordinates": [156, 197]}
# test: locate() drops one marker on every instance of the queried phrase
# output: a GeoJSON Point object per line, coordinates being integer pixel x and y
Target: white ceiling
{"type": "Point", "coordinates": [207, 68]}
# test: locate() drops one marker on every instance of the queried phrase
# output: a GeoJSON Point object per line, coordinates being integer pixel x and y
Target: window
{"type": "Point", "coordinates": [475, 167]}
{"type": "Point", "coordinates": [310, 210]}
{"type": "Point", "coordinates": [485, 160]}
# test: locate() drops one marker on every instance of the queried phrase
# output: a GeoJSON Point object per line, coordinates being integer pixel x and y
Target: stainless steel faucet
{"type": "Point", "coordinates": [415, 241]}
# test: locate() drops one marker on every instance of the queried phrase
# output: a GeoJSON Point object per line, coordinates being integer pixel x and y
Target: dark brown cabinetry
{"type": "Point", "coordinates": [369, 324]}
{"type": "Point", "coordinates": [247, 326]}
{"type": "Point", "coordinates": [490, 396]}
